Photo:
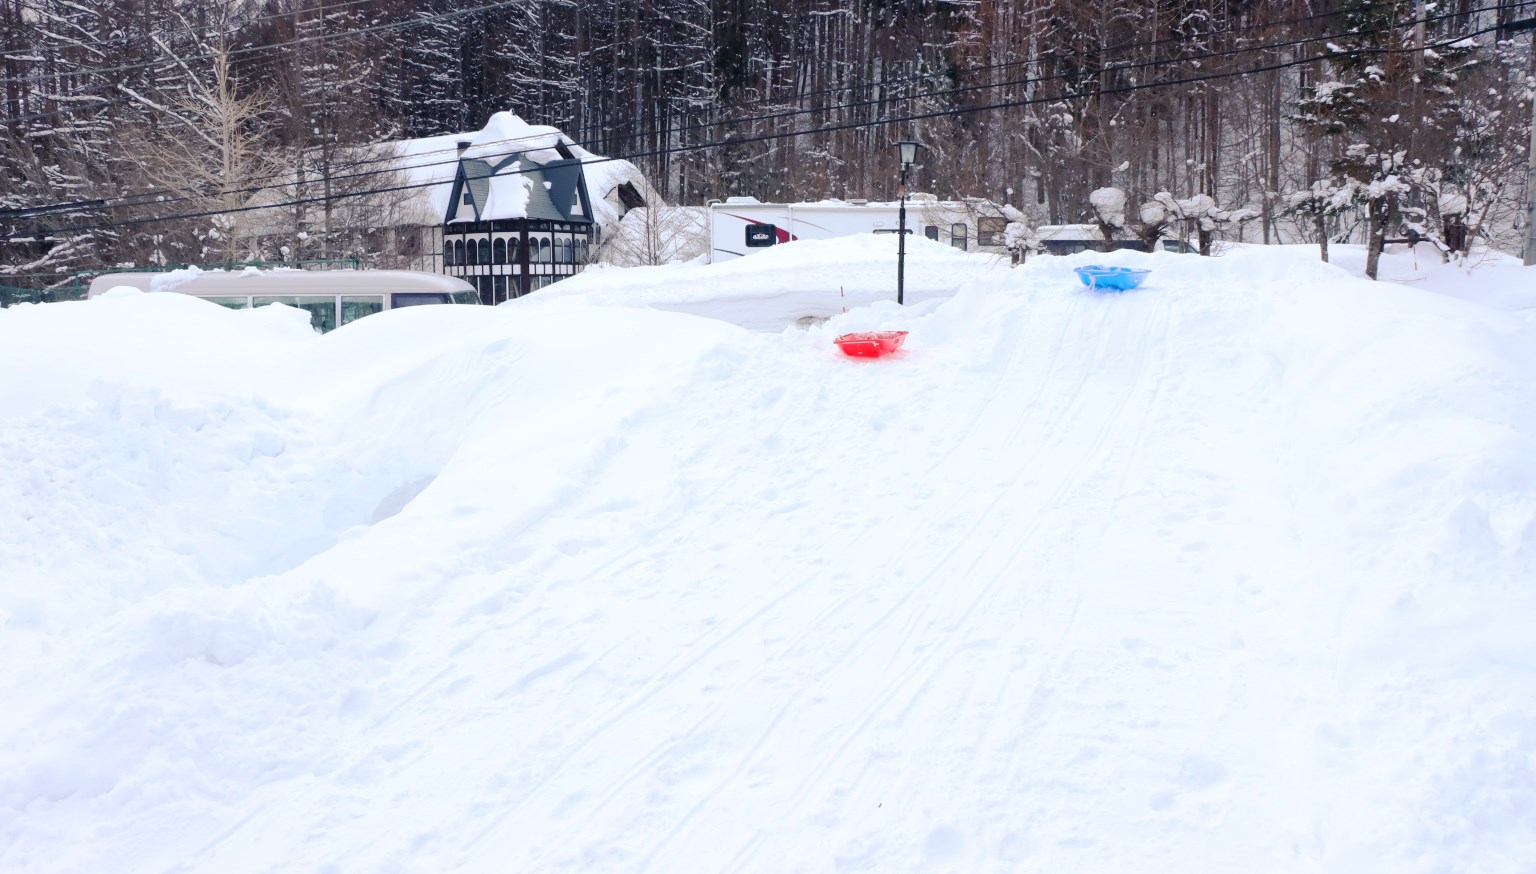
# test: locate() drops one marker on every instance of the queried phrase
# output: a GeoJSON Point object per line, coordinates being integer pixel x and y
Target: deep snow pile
{"type": "Point", "coordinates": [1231, 572]}
{"type": "Point", "coordinates": [767, 290]}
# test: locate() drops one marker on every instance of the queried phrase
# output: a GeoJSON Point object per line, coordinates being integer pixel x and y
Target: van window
{"type": "Point", "coordinates": [234, 302]}
{"type": "Point", "coordinates": [354, 308]}
{"type": "Point", "coordinates": [417, 298]}
{"type": "Point", "coordinates": [321, 308]}
{"type": "Point", "coordinates": [467, 296]}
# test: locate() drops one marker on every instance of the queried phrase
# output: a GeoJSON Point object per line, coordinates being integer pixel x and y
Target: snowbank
{"type": "Point", "coordinates": [1230, 572]}
{"type": "Point", "coordinates": [806, 279]}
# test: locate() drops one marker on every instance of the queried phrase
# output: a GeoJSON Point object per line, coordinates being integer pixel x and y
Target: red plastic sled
{"type": "Point", "coordinates": [870, 344]}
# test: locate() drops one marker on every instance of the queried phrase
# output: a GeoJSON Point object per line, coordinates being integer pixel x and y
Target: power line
{"type": "Point", "coordinates": [1146, 86]}
{"type": "Point", "coordinates": [394, 160]}
{"type": "Point", "coordinates": [37, 116]}
{"type": "Point", "coordinates": [104, 101]}
{"type": "Point", "coordinates": [270, 16]}
{"type": "Point", "coordinates": [411, 22]}
{"type": "Point", "coordinates": [895, 80]}
{"type": "Point", "coordinates": [786, 134]}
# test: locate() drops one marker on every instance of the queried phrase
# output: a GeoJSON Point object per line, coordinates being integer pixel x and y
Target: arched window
{"type": "Point", "coordinates": [544, 249]}
{"type": "Point", "coordinates": [473, 250]}
{"type": "Point", "coordinates": [448, 253]}
{"type": "Point", "coordinates": [499, 251]}
{"type": "Point", "coordinates": [485, 251]}
{"type": "Point", "coordinates": [458, 253]}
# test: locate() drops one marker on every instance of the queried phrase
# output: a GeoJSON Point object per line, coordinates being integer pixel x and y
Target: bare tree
{"type": "Point", "coordinates": [652, 235]}
{"type": "Point", "coordinates": [208, 144]}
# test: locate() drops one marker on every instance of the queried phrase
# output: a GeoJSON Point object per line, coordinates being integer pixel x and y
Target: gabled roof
{"type": "Point", "coordinates": [477, 175]}
{"type": "Point", "coordinates": [562, 190]}
{"type": "Point", "coordinates": [428, 190]}
{"type": "Point", "coordinates": [565, 182]}
{"type": "Point", "coordinates": [516, 187]}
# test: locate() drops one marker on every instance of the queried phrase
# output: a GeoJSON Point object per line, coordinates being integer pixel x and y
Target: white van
{"type": "Point", "coordinates": [332, 297]}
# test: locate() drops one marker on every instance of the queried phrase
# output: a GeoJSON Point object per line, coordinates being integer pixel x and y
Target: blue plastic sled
{"type": "Point", "coordinates": [1100, 278]}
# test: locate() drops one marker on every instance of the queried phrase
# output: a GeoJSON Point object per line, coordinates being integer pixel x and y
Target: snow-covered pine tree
{"type": "Point", "coordinates": [1315, 206]}
{"type": "Point", "coordinates": [1389, 111]}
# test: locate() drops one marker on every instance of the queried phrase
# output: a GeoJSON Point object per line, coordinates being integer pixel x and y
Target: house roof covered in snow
{"type": "Point", "coordinates": [425, 170]}
{"type": "Point", "coordinates": [514, 169]}
{"type": "Point", "coordinates": [517, 187]}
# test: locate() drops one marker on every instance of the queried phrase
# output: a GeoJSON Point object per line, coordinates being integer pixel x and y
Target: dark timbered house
{"type": "Point", "coordinates": [517, 220]}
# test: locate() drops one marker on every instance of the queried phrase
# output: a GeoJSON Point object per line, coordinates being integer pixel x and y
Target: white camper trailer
{"type": "Point", "coordinates": [743, 225]}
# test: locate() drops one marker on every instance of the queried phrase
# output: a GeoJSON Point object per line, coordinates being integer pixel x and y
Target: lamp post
{"type": "Point", "coordinates": [907, 151]}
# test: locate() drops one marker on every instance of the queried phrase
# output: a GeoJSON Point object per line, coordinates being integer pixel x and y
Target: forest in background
{"type": "Point", "coordinates": [134, 128]}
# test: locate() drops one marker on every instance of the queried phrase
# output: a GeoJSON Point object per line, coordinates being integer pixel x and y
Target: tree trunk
{"type": "Point", "coordinates": [1379, 211]}
{"type": "Point", "coordinates": [1322, 234]}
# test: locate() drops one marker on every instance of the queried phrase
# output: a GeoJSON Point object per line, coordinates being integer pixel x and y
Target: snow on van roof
{"type": "Point", "coordinates": [250, 280]}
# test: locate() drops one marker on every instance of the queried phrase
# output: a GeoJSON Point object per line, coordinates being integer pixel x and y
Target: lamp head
{"type": "Point", "coordinates": [908, 151]}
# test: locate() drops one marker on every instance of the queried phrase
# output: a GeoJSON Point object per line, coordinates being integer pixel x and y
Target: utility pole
{"type": "Point", "coordinates": [1530, 198]}
{"type": "Point", "coordinates": [1530, 168]}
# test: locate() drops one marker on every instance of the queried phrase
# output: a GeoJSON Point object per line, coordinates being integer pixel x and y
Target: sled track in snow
{"type": "Point", "coordinates": [886, 647]}
{"type": "Point", "coordinates": [876, 646]}
{"type": "Point", "coordinates": [921, 669]}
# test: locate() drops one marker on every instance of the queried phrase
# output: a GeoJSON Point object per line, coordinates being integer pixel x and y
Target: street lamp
{"type": "Point", "coordinates": [907, 151]}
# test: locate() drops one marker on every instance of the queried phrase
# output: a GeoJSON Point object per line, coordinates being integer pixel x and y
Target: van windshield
{"type": "Point", "coordinates": [412, 299]}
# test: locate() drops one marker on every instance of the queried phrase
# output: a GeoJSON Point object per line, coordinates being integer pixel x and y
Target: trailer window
{"type": "Point", "coordinates": [759, 236]}
{"type": "Point", "coordinates": [233, 302]}
{"type": "Point", "coordinates": [989, 230]}
{"type": "Point", "coordinates": [932, 232]}
{"type": "Point", "coordinates": [958, 237]}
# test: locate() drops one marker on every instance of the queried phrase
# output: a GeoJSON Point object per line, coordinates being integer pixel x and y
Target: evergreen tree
{"type": "Point", "coordinates": [1390, 107]}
